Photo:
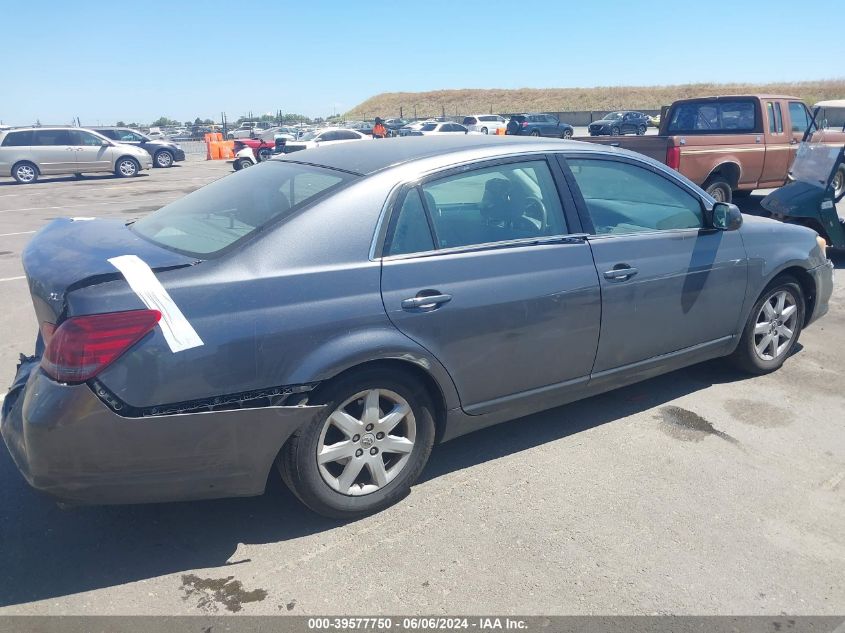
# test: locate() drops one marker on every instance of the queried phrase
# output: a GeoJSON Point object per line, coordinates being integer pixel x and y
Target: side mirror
{"type": "Point", "coordinates": [725, 217]}
{"type": "Point", "coordinates": [104, 143]}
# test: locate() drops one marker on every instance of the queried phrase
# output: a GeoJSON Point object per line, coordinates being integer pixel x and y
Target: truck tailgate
{"type": "Point", "coordinates": [649, 145]}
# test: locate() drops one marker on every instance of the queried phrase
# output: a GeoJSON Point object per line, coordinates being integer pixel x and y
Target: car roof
{"type": "Point", "coordinates": [368, 158]}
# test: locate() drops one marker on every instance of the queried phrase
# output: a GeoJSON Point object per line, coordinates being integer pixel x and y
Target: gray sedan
{"type": "Point", "coordinates": [336, 312]}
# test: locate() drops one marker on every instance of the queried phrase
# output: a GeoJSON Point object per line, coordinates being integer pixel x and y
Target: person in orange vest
{"type": "Point", "coordinates": [379, 131]}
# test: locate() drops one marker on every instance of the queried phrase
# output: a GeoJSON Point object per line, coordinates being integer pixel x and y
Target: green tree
{"type": "Point", "coordinates": [120, 124]}
{"type": "Point", "coordinates": [163, 121]}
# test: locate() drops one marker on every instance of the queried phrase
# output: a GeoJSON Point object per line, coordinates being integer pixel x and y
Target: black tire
{"type": "Point", "coordinates": [243, 163]}
{"type": "Point", "coordinates": [264, 153]}
{"type": "Point", "coordinates": [484, 130]}
{"type": "Point", "coordinates": [567, 134]}
{"type": "Point", "coordinates": [719, 188]}
{"type": "Point", "coordinates": [298, 464]}
{"type": "Point", "coordinates": [641, 130]}
{"type": "Point", "coordinates": [25, 173]}
{"type": "Point", "coordinates": [163, 159]}
{"type": "Point", "coordinates": [535, 133]}
{"type": "Point", "coordinates": [839, 184]}
{"type": "Point", "coordinates": [745, 356]}
{"type": "Point", "coordinates": [126, 167]}
{"type": "Point", "coordinates": [78, 176]}
{"type": "Point", "coordinates": [615, 131]}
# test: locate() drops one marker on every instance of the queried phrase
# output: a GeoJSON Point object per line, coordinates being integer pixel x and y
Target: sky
{"type": "Point", "coordinates": [136, 61]}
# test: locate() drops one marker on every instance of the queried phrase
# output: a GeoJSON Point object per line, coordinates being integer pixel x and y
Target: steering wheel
{"type": "Point", "coordinates": [535, 210]}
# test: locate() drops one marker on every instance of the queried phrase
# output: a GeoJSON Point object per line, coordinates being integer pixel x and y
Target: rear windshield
{"type": "Point", "coordinates": [714, 117]}
{"type": "Point", "coordinates": [217, 216]}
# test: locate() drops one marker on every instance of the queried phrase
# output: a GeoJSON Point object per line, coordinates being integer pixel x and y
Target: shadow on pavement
{"type": "Point", "coordinates": [47, 552]}
{"type": "Point", "coordinates": [46, 180]}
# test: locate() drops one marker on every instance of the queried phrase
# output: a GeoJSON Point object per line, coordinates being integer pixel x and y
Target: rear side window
{"type": "Point", "coordinates": [219, 215]}
{"type": "Point", "coordinates": [495, 204]}
{"type": "Point", "coordinates": [714, 117]}
{"type": "Point", "coordinates": [51, 137]}
{"type": "Point", "coordinates": [626, 198]}
{"type": "Point", "coordinates": [18, 139]}
{"type": "Point", "coordinates": [410, 232]}
{"type": "Point", "coordinates": [469, 120]}
{"type": "Point", "coordinates": [112, 134]}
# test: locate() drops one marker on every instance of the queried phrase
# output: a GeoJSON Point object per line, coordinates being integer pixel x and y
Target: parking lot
{"type": "Point", "coordinates": [699, 492]}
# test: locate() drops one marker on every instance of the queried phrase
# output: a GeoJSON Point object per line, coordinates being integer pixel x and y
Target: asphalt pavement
{"type": "Point", "coordinates": [701, 492]}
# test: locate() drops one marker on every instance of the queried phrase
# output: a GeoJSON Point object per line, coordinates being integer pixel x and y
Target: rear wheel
{"type": "Point", "coordinates": [567, 134]}
{"type": "Point", "coordinates": [367, 449]}
{"type": "Point", "coordinates": [127, 167]}
{"type": "Point", "coordinates": [718, 188]}
{"type": "Point", "coordinates": [773, 328]}
{"type": "Point", "coordinates": [243, 163]}
{"type": "Point", "coordinates": [264, 153]}
{"type": "Point", "coordinates": [484, 130]}
{"type": "Point", "coordinates": [535, 132]}
{"type": "Point", "coordinates": [25, 173]}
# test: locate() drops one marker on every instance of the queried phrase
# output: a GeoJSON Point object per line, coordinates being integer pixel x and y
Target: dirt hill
{"type": "Point", "coordinates": [470, 101]}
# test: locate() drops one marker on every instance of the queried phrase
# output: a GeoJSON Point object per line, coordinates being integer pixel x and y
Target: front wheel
{"type": "Point", "coordinates": [615, 131]}
{"type": "Point", "coordinates": [243, 163]}
{"type": "Point", "coordinates": [366, 450]}
{"type": "Point", "coordinates": [127, 167]}
{"type": "Point", "coordinates": [484, 130]}
{"type": "Point", "coordinates": [641, 130]}
{"type": "Point", "coordinates": [164, 159]}
{"type": "Point", "coordinates": [535, 132]}
{"type": "Point", "coordinates": [25, 173]}
{"type": "Point", "coordinates": [772, 329]}
{"type": "Point", "coordinates": [839, 183]}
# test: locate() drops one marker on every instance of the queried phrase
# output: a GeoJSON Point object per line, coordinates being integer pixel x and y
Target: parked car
{"type": "Point", "coordinates": [364, 127]}
{"type": "Point", "coordinates": [394, 125]}
{"type": "Point", "coordinates": [539, 125]}
{"type": "Point", "coordinates": [440, 128]}
{"type": "Point", "coordinates": [27, 153]}
{"type": "Point", "coordinates": [324, 136]}
{"type": "Point", "coordinates": [247, 129]}
{"type": "Point", "coordinates": [485, 123]}
{"type": "Point", "coordinates": [619, 123]}
{"type": "Point", "coordinates": [163, 152]}
{"type": "Point", "coordinates": [409, 128]}
{"type": "Point", "coordinates": [336, 312]}
{"type": "Point", "coordinates": [156, 134]}
{"type": "Point", "coordinates": [729, 145]}
{"type": "Point", "coordinates": [282, 131]}
{"type": "Point", "coordinates": [654, 121]}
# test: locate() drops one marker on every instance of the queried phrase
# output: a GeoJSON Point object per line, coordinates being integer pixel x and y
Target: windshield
{"type": "Point", "coordinates": [815, 163]}
{"type": "Point", "coordinates": [217, 216]}
{"type": "Point", "coordinates": [613, 116]}
{"type": "Point", "coordinates": [308, 136]}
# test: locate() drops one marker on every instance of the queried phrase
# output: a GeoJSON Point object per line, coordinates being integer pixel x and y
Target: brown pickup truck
{"type": "Point", "coordinates": [729, 145]}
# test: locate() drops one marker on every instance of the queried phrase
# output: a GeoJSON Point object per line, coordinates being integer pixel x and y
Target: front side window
{"type": "Point", "coordinates": [626, 198]}
{"type": "Point", "coordinates": [112, 134]}
{"type": "Point", "coordinates": [714, 117]}
{"type": "Point", "coordinates": [127, 136]}
{"type": "Point", "coordinates": [80, 137]}
{"type": "Point", "coordinates": [218, 215]}
{"type": "Point", "coordinates": [495, 204]}
{"type": "Point", "coordinates": [798, 115]}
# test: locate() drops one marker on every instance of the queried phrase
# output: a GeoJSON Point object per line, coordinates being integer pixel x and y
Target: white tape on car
{"type": "Point", "coordinates": [180, 335]}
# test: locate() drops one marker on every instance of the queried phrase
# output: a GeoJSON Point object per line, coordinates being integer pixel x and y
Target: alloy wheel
{"type": "Point", "coordinates": [164, 159]}
{"type": "Point", "coordinates": [127, 167]}
{"type": "Point", "coordinates": [775, 325]}
{"type": "Point", "coordinates": [25, 173]}
{"type": "Point", "coordinates": [366, 442]}
{"type": "Point", "coordinates": [838, 183]}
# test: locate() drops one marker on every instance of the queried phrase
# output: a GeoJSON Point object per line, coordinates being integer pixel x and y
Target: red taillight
{"type": "Point", "coordinates": [673, 156]}
{"type": "Point", "coordinates": [83, 346]}
{"type": "Point", "coordinates": [525, 124]}
{"type": "Point", "coordinates": [47, 330]}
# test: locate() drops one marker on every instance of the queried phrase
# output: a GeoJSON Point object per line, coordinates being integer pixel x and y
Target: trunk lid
{"type": "Point", "coordinates": [68, 254]}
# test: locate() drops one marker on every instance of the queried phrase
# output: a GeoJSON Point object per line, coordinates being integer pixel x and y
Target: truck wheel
{"type": "Point", "coordinates": [718, 188]}
{"type": "Point", "coordinates": [839, 184]}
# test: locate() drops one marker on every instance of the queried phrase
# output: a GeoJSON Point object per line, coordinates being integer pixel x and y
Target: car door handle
{"type": "Point", "coordinates": [622, 273]}
{"type": "Point", "coordinates": [425, 302]}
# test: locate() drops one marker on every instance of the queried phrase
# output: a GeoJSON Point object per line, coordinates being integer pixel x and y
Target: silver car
{"type": "Point", "coordinates": [27, 153]}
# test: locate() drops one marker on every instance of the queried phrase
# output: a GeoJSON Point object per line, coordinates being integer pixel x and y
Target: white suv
{"type": "Point", "coordinates": [485, 123]}
{"type": "Point", "coordinates": [27, 153]}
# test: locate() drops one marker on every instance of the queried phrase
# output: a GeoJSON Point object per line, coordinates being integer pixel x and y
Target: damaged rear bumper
{"type": "Point", "coordinates": [67, 443]}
